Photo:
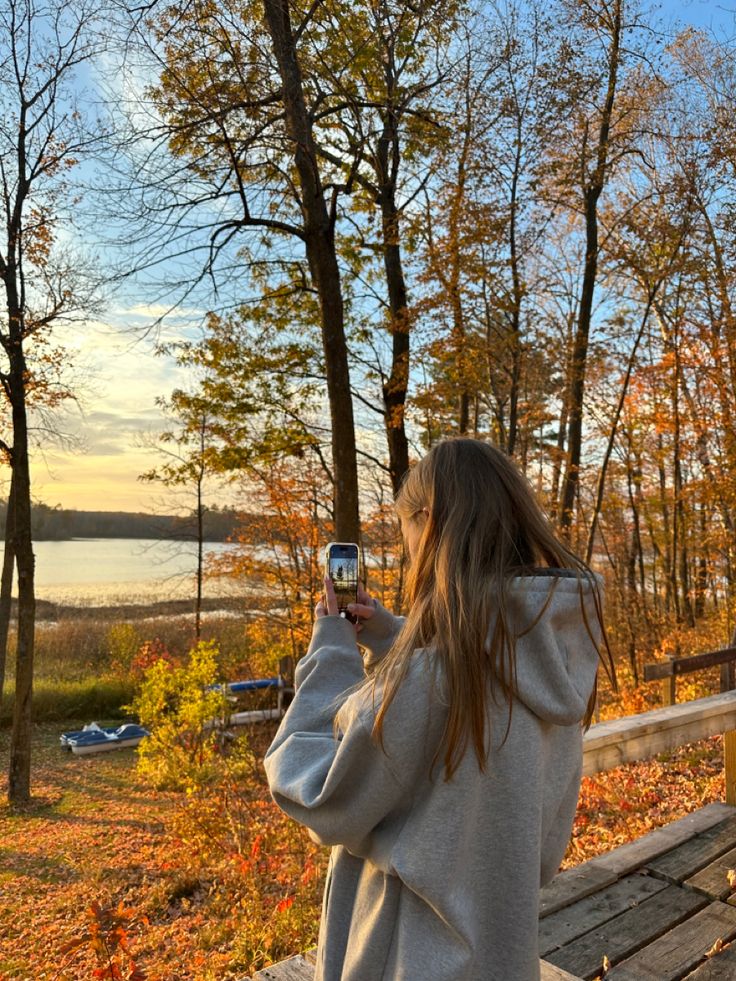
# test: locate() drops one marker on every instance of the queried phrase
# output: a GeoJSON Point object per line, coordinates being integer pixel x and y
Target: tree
{"type": "Point", "coordinates": [599, 144]}
{"type": "Point", "coordinates": [319, 242]}
{"type": "Point", "coordinates": [41, 139]}
{"type": "Point", "coordinates": [484, 224]}
{"type": "Point", "coordinates": [186, 465]}
{"type": "Point", "coordinates": [385, 71]}
{"type": "Point", "coordinates": [240, 128]}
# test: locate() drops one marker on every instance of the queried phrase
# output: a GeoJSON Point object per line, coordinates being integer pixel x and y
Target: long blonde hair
{"type": "Point", "coordinates": [482, 527]}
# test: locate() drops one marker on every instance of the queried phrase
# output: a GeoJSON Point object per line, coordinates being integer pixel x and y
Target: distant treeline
{"type": "Point", "coordinates": [58, 524]}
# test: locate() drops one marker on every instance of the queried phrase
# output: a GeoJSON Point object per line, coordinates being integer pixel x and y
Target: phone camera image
{"type": "Point", "coordinates": [342, 567]}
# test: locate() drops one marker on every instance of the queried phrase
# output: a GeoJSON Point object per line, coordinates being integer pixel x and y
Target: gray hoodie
{"type": "Point", "coordinates": [435, 880]}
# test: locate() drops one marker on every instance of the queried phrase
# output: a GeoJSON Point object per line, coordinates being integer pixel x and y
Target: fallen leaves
{"type": "Point", "coordinates": [102, 846]}
{"type": "Point", "coordinates": [621, 805]}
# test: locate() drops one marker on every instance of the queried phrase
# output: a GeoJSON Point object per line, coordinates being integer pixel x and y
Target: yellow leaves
{"type": "Point", "coordinates": [731, 878]}
{"type": "Point", "coordinates": [716, 948]}
{"type": "Point", "coordinates": [38, 236]}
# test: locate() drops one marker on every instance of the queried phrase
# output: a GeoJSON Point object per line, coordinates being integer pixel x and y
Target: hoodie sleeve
{"type": "Point", "coordinates": [339, 785]}
{"type": "Point", "coordinates": [378, 633]}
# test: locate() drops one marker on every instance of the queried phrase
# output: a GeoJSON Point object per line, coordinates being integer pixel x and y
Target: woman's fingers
{"type": "Point", "coordinates": [327, 606]}
{"type": "Point", "coordinates": [330, 600]}
{"type": "Point", "coordinates": [365, 598]}
{"type": "Point", "coordinates": [362, 610]}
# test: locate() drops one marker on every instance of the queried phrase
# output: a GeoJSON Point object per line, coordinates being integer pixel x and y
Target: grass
{"type": "Point", "coordinates": [87, 698]}
{"type": "Point", "coordinates": [82, 665]}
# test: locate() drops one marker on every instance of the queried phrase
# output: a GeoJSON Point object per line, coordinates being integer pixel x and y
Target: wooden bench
{"type": "Point", "coordinates": [654, 907]}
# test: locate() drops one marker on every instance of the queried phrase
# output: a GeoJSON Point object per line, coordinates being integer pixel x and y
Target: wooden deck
{"type": "Point", "coordinates": [654, 909]}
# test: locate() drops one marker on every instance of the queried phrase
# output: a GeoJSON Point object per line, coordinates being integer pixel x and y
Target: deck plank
{"type": "Point", "coordinates": [633, 855]}
{"type": "Point", "coordinates": [297, 968]}
{"type": "Point", "coordinates": [681, 949]}
{"type": "Point", "coordinates": [567, 924]}
{"type": "Point", "coordinates": [301, 968]}
{"type": "Point", "coordinates": [573, 884]}
{"type": "Point", "coordinates": [712, 881]}
{"type": "Point", "coordinates": [693, 855]}
{"type": "Point", "coordinates": [722, 967]}
{"type": "Point", "coordinates": [628, 932]}
{"type": "Point", "coordinates": [548, 972]}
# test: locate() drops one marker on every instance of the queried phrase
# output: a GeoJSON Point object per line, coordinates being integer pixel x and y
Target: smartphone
{"type": "Point", "coordinates": [341, 565]}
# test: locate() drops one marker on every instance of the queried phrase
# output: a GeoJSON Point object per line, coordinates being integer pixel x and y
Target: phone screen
{"type": "Point", "coordinates": [342, 568]}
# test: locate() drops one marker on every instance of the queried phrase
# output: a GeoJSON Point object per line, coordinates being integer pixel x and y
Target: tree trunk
{"type": "Point", "coordinates": [321, 255]}
{"type": "Point", "coordinates": [6, 585]}
{"type": "Point", "coordinates": [614, 428]}
{"type": "Point", "coordinates": [668, 552]}
{"type": "Point", "coordinates": [592, 193]}
{"type": "Point", "coordinates": [200, 535]}
{"type": "Point", "coordinates": [579, 362]}
{"type": "Point", "coordinates": [395, 388]}
{"type": "Point", "coordinates": [19, 777]}
{"type": "Point", "coordinates": [701, 575]}
{"type": "Point", "coordinates": [517, 299]}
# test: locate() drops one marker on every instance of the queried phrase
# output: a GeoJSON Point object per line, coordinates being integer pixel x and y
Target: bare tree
{"type": "Point", "coordinates": [41, 138]}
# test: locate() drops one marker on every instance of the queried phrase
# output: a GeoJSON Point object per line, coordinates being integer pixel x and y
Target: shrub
{"type": "Point", "coordinates": [183, 707]}
{"type": "Point", "coordinates": [124, 642]}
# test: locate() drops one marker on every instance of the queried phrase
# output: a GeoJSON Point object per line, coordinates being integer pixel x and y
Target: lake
{"type": "Point", "coordinates": [109, 571]}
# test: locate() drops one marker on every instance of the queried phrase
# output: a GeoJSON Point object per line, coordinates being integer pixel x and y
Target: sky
{"type": "Point", "coordinates": [107, 435]}
{"type": "Point", "coordinates": [119, 378]}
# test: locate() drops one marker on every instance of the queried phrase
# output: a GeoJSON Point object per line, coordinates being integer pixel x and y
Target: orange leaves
{"type": "Point", "coordinates": [623, 804]}
{"type": "Point", "coordinates": [107, 937]}
{"type": "Point", "coordinates": [163, 908]}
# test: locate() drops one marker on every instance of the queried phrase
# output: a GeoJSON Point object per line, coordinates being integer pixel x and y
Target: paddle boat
{"type": "Point", "coordinates": [96, 739]}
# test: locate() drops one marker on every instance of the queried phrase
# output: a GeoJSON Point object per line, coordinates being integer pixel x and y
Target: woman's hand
{"type": "Point", "coordinates": [363, 609]}
{"type": "Point", "coordinates": [327, 606]}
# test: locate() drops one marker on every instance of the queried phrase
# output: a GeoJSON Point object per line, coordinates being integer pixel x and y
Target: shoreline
{"type": "Point", "coordinates": [48, 610]}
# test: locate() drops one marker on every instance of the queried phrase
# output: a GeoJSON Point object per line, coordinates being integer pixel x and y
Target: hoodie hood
{"type": "Point", "coordinates": [556, 654]}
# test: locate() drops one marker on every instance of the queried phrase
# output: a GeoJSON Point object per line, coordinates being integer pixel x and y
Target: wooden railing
{"type": "Point", "coordinates": [668, 672]}
{"type": "Point", "coordinates": [639, 737]}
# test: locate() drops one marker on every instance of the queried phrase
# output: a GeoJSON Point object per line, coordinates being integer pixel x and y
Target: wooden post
{"type": "Point", "coordinates": [669, 687]}
{"type": "Point", "coordinates": [728, 683]}
{"type": "Point", "coordinates": [286, 683]}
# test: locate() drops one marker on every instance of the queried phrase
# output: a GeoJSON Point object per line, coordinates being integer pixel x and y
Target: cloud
{"type": "Point", "coordinates": [118, 382]}
{"type": "Point", "coordinates": [154, 311]}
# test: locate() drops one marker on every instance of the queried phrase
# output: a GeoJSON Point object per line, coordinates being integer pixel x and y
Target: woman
{"type": "Point", "coordinates": [444, 764]}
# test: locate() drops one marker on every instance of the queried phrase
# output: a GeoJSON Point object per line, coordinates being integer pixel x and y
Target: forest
{"type": "Point", "coordinates": [398, 222]}
{"type": "Point", "coordinates": [508, 220]}
{"type": "Point", "coordinates": [60, 524]}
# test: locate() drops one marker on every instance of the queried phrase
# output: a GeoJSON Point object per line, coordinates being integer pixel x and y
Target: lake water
{"type": "Point", "coordinates": [108, 571]}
